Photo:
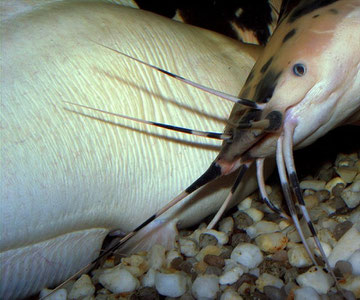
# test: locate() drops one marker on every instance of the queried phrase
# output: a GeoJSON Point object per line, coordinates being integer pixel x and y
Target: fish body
{"type": "Point", "coordinates": [67, 179]}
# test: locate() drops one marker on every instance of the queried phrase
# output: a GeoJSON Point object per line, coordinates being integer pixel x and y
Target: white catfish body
{"type": "Point", "coordinates": [67, 179]}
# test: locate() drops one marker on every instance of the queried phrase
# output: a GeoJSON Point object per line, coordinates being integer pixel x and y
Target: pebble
{"type": "Point", "coordinates": [188, 247]}
{"type": "Point", "coordinates": [247, 254]}
{"type": "Point", "coordinates": [214, 260]}
{"type": "Point", "coordinates": [227, 225]}
{"type": "Point", "coordinates": [156, 257]}
{"type": "Point", "coordinates": [352, 284]}
{"type": "Point", "coordinates": [245, 204]}
{"type": "Point", "coordinates": [60, 294]}
{"type": "Point", "coordinates": [298, 257]}
{"type": "Point", "coordinates": [231, 275]}
{"type": "Point", "coordinates": [83, 287]}
{"type": "Point", "coordinates": [351, 195]}
{"type": "Point", "coordinates": [255, 214]}
{"type": "Point", "coordinates": [148, 280]}
{"type": "Point", "coordinates": [326, 247]}
{"type": "Point", "coordinates": [317, 279]}
{"type": "Point", "coordinates": [171, 285]}
{"type": "Point", "coordinates": [316, 185]}
{"type": "Point", "coordinates": [221, 237]}
{"type": "Point", "coordinates": [266, 279]}
{"type": "Point", "coordinates": [118, 280]}
{"type": "Point", "coordinates": [230, 294]}
{"type": "Point", "coordinates": [346, 246]}
{"type": "Point", "coordinates": [262, 227]}
{"type": "Point", "coordinates": [354, 260]}
{"type": "Point", "coordinates": [333, 182]}
{"type": "Point", "coordinates": [311, 201]}
{"type": "Point", "coordinates": [272, 242]}
{"type": "Point", "coordinates": [171, 255]}
{"type": "Point", "coordinates": [306, 293]}
{"type": "Point", "coordinates": [211, 249]}
{"type": "Point", "coordinates": [205, 286]}
{"type": "Point", "coordinates": [347, 173]}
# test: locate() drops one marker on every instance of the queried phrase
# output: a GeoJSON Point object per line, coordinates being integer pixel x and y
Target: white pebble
{"type": "Point", "coordinates": [351, 195]}
{"type": "Point", "coordinates": [254, 214]}
{"type": "Point", "coordinates": [266, 279]}
{"type": "Point", "coordinates": [354, 260]}
{"type": "Point", "coordinates": [171, 285]}
{"type": "Point", "coordinates": [156, 257]}
{"type": "Point", "coordinates": [82, 287]}
{"type": "Point", "coordinates": [188, 247]}
{"type": "Point", "coordinates": [58, 295]}
{"type": "Point", "coordinates": [333, 182]}
{"type": "Point", "coordinates": [271, 242]}
{"type": "Point", "coordinates": [118, 280]}
{"type": "Point", "coordinates": [326, 247]}
{"type": "Point", "coordinates": [317, 279]}
{"type": "Point", "coordinates": [245, 204]}
{"type": "Point", "coordinates": [315, 185]}
{"type": "Point", "coordinates": [227, 225]}
{"type": "Point", "coordinates": [306, 293]}
{"type": "Point", "coordinates": [262, 227]}
{"type": "Point", "coordinates": [205, 286]}
{"type": "Point", "coordinates": [352, 283]}
{"type": "Point", "coordinates": [148, 279]}
{"type": "Point", "coordinates": [247, 254]}
{"type": "Point", "coordinates": [221, 237]}
{"type": "Point", "coordinates": [346, 246]}
{"type": "Point", "coordinates": [230, 294]}
{"type": "Point", "coordinates": [231, 275]}
{"type": "Point", "coordinates": [298, 257]}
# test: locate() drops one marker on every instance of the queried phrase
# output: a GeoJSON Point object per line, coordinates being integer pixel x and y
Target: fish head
{"type": "Point", "coordinates": [308, 76]}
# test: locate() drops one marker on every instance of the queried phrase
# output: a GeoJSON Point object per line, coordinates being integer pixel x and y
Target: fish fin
{"type": "Point", "coordinates": [159, 231]}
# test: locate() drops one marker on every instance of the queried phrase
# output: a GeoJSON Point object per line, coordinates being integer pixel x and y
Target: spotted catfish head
{"type": "Point", "coordinates": [308, 75]}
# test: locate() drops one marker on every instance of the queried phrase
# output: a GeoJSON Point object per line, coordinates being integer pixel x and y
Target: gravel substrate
{"type": "Point", "coordinates": [252, 254]}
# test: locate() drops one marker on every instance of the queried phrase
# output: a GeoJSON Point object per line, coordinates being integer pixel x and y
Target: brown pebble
{"type": "Point", "coordinates": [242, 220]}
{"type": "Point", "coordinates": [206, 240]}
{"type": "Point", "coordinates": [280, 256]}
{"type": "Point", "coordinates": [226, 254]}
{"type": "Point", "coordinates": [326, 174]}
{"type": "Point", "coordinates": [340, 229]}
{"type": "Point", "coordinates": [343, 268]}
{"type": "Point", "coordinates": [339, 203]}
{"type": "Point", "coordinates": [323, 195]}
{"type": "Point", "coordinates": [337, 189]}
{"type": "Point", "coordinates": [246, 277]}
{"type": "Point", "coordinates": [214, 260]}
{"type": "Point", "coordinates": [291, 275]}
{"type": "Point", "coordinates": [146, 293]}
{"type": "Point", "coordinates": [187, 267]}
{"type": "Point", "coordinates": [176, 263]}
{"type": "Point", "coordinates": [274, 293]}
{"type": "Point", "coordinates": [239, 238]}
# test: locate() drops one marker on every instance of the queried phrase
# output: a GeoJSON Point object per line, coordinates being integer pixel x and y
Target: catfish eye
{"type": "Point", "coordinates": [299, 69]}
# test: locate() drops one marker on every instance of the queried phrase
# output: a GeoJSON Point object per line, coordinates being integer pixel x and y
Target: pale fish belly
{"type": "Point", "coordinates": [67, 179]}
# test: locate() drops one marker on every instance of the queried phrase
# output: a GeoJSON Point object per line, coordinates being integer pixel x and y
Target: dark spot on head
{"type": "Point", "coordinates": [299, 69]}
{"type": "Point", "coordinates": [266, 86]}
{"type": "Point", "coordinates": [245, 92]}
{"type": "Point", "coordinates": [275, 118]}
{"type": "Point", "coordinates": [250, 77]}
{"type": "Point", "coordinates": [334, 11]}
{"type": "Point", "coordinates": [315, 16]}
{"type": "Point", "coordinates": [289, 35]}
{"type": "Point", "coordinates": [266, 65]}
{"type": "Point", "coordinates": [306, 7]}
